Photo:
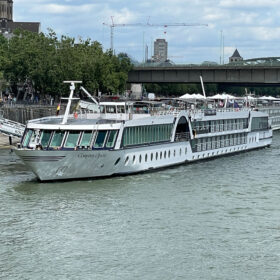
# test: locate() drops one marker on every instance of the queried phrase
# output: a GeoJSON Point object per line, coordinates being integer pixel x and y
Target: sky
{"type": "Point", "coordinates": [251, 26]}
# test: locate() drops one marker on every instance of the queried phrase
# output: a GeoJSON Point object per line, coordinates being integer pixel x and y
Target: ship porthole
{"type": "Point", "coordinates": [134, 160]}
{"type": "Point", "coordinates": [140, 159]}
{"type": "Point", "coordinates": [117, 161]}
{"type": "Point", "coordinates": [126, 160]}
{"type": "Point", "coordinates": [152, 156]}
{"type": "Point", "coordinates": [146, 157]}
{"type": "Point", "coordinates": [156, 156]}
{"type": "Point", "coordinates": [169, 153]}
{"type": "Point", "coordinates": [160, 155]}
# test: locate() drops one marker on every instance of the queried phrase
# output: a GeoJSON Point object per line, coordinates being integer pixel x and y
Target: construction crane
{"type": "Point", "coordinates": [113, 25]}
{"type": "Point", "coordinates": [148, 24]}
{"type": "Point", "coordinates": [165, 25]}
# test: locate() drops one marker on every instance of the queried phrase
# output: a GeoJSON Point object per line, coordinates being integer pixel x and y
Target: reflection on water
{"type": "Point", "coordinates": [215, 219]}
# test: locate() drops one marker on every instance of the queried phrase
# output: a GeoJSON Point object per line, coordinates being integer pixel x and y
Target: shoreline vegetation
{"type": "Point", "coordinates": [33, 67]}
{"type": "Point", "coordinates": [37, 64]}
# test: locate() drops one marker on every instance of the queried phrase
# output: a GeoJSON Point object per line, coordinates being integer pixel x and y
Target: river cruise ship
{"type": "Point", "coordinates": [130, 137]}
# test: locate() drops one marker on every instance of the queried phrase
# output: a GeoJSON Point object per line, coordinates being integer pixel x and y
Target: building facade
{"type": "Point", "coordinates": [7, 25]}
{"type": "Point", "coordinates": [6, 10]}
{"type": "Point", "coordinates": [160, 50]}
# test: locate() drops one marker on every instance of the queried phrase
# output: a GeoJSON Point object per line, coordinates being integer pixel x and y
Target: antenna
{"type": "Point", "coordinates": [202, 85]}
{"type": "Point", "coordinates": [221, 48]}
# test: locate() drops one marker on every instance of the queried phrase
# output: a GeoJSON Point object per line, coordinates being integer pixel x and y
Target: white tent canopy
{"type": "Point", "coordinates": [222, 96]}
{"type": "Point", "coordinates": [192, 96]}
{"type": "Point", "coordinates": [267, 98]}
{"type": "Point", "coordinates": [250, 97]}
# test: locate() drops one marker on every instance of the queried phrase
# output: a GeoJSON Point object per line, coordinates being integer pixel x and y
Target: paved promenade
{"type": "Point", "coordinates": [4, 141]}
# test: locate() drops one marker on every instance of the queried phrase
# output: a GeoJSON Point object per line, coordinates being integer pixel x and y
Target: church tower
{"type": "Point", "coordinates": [8, 25]}
{"type": "Point", "coordinates": [6, 10]}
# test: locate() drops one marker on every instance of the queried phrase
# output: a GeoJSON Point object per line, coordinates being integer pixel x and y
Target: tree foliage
{"type": "Point", "coordinates": [48, 61]}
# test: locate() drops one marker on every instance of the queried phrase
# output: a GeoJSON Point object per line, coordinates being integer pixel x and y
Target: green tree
{"type": "Point", "coordinates": [47, 61]}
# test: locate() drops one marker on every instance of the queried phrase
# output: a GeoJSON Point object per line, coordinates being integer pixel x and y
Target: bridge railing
{"type": "Point", "coordinates": [249, 63]}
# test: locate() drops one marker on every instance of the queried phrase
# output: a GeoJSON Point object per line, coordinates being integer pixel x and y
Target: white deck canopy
{"type": "Point", "coordinates": [222, 96]}
{"type": "Point", "coordinates": [192, 96]}
{"type": "Point", "coordinates": [267, 98]}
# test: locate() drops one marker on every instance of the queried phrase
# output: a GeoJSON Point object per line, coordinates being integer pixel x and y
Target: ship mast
{"type": "Point", "coordinates": [72, 88]}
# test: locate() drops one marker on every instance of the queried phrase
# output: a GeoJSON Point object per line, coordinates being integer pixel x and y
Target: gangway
{"type": "Point", "coordinates": [11, 128]}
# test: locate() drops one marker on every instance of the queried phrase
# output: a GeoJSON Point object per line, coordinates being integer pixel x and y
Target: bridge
{"type": "Point", "coordinates": [251, 72]}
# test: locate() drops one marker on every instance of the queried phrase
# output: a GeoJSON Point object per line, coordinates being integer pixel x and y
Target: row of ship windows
{"type": "Point", "coordinates": [220, 152]}
{"type": "Point", "coordinates": [217, 142]}
{"type": "Point", "coordinates": [272, 112]}
{"type": "Point", "coordinates": [167, 154]}
{"type": "Point", "coordinates": [69, 139]}
{"type": "Point", "coordinates": [275, 120]}
{"type": "Point", "coordinates": [219, 125]}
{"type": "Point", "coordinates": [146, 134]}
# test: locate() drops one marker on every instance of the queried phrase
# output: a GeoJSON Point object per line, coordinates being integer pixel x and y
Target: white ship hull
{"type": "Point", "coordinates": [63, 165]}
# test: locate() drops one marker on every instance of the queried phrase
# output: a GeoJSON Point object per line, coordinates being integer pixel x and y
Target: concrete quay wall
{"type": "Point", "coordinates": [24, 113]}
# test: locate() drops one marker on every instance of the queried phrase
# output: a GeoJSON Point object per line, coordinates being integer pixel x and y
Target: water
{"type": "Point", "coordinates": [216, 219]}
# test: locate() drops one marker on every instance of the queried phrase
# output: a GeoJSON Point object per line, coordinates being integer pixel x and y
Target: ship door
{"type": "Point", "coordinates": [182, 130]}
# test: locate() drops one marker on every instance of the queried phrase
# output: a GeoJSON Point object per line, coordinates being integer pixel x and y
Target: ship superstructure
{"type": "Point", "coordinates": [129, 137]}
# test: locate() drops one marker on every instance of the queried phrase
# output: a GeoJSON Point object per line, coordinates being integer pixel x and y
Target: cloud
{"type": "Point", "coordinates": [250, 25]}
{"type": "Point", "coordinates": [252, 4]}
{"type": "Point", "coordinates": [63, 9]}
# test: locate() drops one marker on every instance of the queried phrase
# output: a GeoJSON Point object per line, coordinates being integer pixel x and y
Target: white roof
{"type": "Point", "coordinates": [267, 98]}
{"type": "Point", "coordinates": [192, 96]}
{"type": "Point", "coordinates": [222, 96]}
{"type": "Point", "coordinates": [250, 97]}
{"type": "Point", "coordinates": [112, 103]}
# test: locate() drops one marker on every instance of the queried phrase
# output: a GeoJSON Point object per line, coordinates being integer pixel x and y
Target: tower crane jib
{"type": "Point", "coordinates": [148, 24]}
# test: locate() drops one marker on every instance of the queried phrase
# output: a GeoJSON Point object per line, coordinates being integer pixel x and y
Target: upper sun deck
{"type": "Point", "coordinates": [114, 120]}
{"type": "Point", "coordinates": [81, 121]}
{"type": "Point", "coordinates": [110, 115]}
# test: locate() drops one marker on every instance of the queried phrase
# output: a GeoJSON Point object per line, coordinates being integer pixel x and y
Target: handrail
{"type": "Point", "coordinates": [182, 136]}
{"type": "Point", "coordinates": [212, 145]}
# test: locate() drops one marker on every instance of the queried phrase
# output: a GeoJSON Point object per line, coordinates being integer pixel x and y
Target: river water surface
{"type": "Point", "coordinates": [216, 219]}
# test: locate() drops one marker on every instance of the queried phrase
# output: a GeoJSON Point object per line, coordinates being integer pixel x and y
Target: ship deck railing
{"type": "Point", "coordinates": [182, 136]}
{"type": "Point", "coordinates": [212, 145]}
{"type": "Point", "coordinates": [83, 115]}
{"type": "Point", "coordinates": [220, 127]}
